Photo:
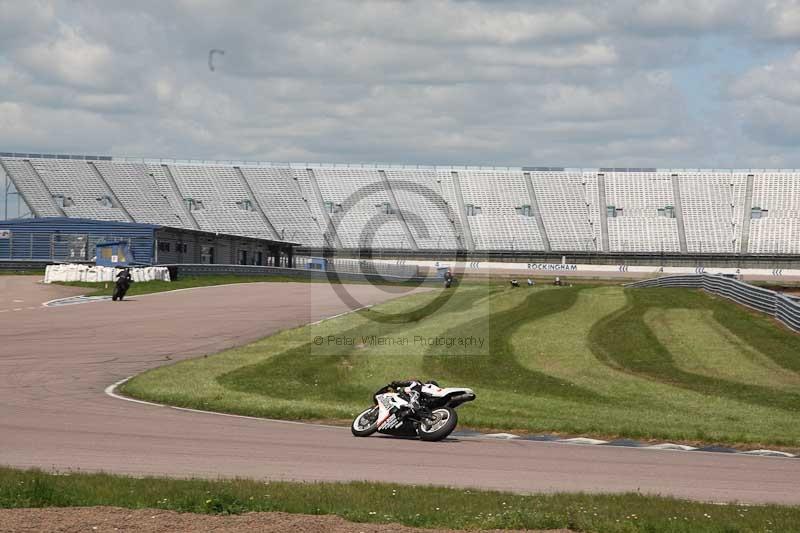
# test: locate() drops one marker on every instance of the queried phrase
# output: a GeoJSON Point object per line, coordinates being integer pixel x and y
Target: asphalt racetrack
{"type": "Point", "coordinates": [55, 363]}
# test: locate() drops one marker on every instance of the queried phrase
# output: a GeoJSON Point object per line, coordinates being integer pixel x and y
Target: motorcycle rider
{"type": "Point", "coordinates": [410, 390]}
{"type": "Point", "coordinates": [124, 280]}
{"type": "Point", "coordinates": [125, 273]}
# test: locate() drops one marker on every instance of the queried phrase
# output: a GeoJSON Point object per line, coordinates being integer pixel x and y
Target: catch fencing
{"type": "Point", "coordinates": [780, 306]}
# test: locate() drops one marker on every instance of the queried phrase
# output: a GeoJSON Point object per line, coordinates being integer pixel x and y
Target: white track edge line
{"type": "Point", "coordinates": [340, 314]}
{"type": "Point", "coordinates": [111, 391]}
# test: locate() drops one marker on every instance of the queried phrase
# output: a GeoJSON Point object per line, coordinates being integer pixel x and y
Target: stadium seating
{"type": "Point", "coordinates": [435, 208]}
{"type": "Point", "coordinates": [641, 222]}
{"type": "Point", "coordinates": [499, 225]}
{"type": "Point", "coordinates": [359, 207]}
{"type": "Point", "coordinates": [79, 189]}
{"type": "Point", "coordinates": [280, 196]}
{"type": "Point", "coordinates": [141, 194]}
{"type": "Point", "coordinates": [31, 187]}
{"type": "Point", "coordinates": [712, 210]}
{"type": "Point", "coordinates": [431, 220]}
{"type": "Point", "coordinates": [220, 203]}
{"type": "Point", "coordinates": [568, 202]}
{"type": "Point", "coordinates": [775, 213]}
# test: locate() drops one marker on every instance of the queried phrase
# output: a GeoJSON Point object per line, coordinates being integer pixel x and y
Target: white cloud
{"type": "Point", "coordinates": [783, 19]}
{"type": "Point", "coordinates": [582, 55]}
{"type": "Point", "coordinates": [70, 58]}
{"type": "Point", "coordinates": [767, 98]}
{"type": "Point", "coordinates": [464, 82]}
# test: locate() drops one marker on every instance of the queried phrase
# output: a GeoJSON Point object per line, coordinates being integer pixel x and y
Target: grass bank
{"type": "Point", "coordinates": [385, 503]}
{"type": "Point", "coordinates": [187, 282]}
{"type": "Point", "coordinates": [604, 361]}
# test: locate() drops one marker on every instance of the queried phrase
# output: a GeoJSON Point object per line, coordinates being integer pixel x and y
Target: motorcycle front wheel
{"type": "Point", "coordinates": [442, 422]}
{"type": "Point", "coordinates": [366, 423]}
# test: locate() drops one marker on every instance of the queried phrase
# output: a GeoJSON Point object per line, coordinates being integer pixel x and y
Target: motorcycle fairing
{"type": "Point", "coordinates": [389, 405]}
{"type": "Point", "coordinates": [438, 392]}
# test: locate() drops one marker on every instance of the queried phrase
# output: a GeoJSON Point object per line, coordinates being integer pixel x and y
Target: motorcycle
{"type": "Point", "coordinates": [121, 287]}
{"type": "Point", "coordinates": [429, 413]}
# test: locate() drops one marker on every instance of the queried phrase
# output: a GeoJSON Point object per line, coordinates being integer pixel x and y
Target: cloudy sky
{"type": "Point", "coordinates": [667, 83]}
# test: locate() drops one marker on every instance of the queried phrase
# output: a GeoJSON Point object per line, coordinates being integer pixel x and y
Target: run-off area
{"type": "Point", "coordinates": [589, 360]}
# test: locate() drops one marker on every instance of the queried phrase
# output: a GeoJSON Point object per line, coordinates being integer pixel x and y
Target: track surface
{"type": "Point", "coordinates": [55, 363]}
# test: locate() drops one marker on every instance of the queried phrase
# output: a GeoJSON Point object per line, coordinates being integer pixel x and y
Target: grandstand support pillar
{"type": "Point", "coordinates": [179, 194]}
{"type": "Point", "coordinates": [602, 203]}
{"type": "Point", "coordinates": [6, 181]}
{"type": "Point", "coordinates": [746, 213]}
{"type": "Point", "coordinates": [290, 257]}
{"type": "Point", "coordinates": [276, 255]}
{"type": "Point", "coordinates": [462, 212]}
{"type": "Point", "coordinates": [330, 229]}
{"type": "Point", "coordinates": [255, 202]}
{"type": "Point", "coordinates": [676, 194]}
{"type": "Point", "coordinates": [38, 176]}
{"type": "Point", "coordinates": [393, 199]}
{"type": "Point", "coordinates": [110, 191]}
{"type": "Point", "coordinates": [536, 212]}
{"type": "Point", "coordinates": [9, 182]}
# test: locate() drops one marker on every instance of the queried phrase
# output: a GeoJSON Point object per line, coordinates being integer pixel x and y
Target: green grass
{"type": "Point", "coordinates": [188, 282]}
{"type": "Point", "coordinates": [669, 364]}
{"type": "Point", "coordinates": [22, 272]}
{"type": "Point", "coordinates": [385, 503]}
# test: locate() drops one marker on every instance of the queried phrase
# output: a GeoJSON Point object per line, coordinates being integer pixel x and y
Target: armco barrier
{"type": "Point", "coordinates": [780, 306]}
{"type": "Point", "coordinates": [787, 310]}
{"type": "Point", "coordinates": [694, 281]}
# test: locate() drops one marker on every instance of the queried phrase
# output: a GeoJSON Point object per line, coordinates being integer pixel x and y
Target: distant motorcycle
{"type": "Point", "coordinates": [413, 409]}
{"type": "Point", "coordinates": [122, 285]}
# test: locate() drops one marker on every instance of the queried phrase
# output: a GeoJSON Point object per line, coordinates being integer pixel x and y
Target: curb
{"type": "Point", "coordinates": [466, 434]}
{"type": "Point", "coordinates": [625, 443]}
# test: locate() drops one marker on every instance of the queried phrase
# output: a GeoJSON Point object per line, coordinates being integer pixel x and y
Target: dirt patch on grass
{"type": "Point", "coordinates": [100, 519]}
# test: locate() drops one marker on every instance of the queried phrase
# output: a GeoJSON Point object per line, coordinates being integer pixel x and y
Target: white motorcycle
{"type": "Point", "coordinates": [411, 408]}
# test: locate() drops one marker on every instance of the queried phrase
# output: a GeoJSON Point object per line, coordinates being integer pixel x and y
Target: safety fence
{"type": "Point", "coordinates": [780, 306]}
{"type": "Point", "coordinates": [366, 266]}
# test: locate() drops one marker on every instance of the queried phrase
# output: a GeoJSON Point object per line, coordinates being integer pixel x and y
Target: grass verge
{"type": "Point", "coordinates": [188, 282]}
{"type": "Point", "coordinates": [22, 272]}
{"type": "Point", "coordinates": [386, 503]}
{"type": "Point", "coordinates": [573, 361]}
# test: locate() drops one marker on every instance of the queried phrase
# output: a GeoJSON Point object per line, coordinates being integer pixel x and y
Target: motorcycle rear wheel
{"type": "Point", "coordinates": [366, 423]}
{"type": "Point", "coordinates": [445, 422]}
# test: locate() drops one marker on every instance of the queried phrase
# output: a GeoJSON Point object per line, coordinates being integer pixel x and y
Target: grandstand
{"type": "Point", "coordinates": [424, 209]}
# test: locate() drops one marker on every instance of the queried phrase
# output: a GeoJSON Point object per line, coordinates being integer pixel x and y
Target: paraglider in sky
{"type": "Point", "coordinates": [211, 57]}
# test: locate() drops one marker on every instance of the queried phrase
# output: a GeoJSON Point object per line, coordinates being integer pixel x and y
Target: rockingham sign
{"type": "Point", "coordinates": [552, 266]}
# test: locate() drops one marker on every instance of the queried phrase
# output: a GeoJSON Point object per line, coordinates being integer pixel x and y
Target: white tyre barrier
{"type": "Point", "coordinates": [100, 274]}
